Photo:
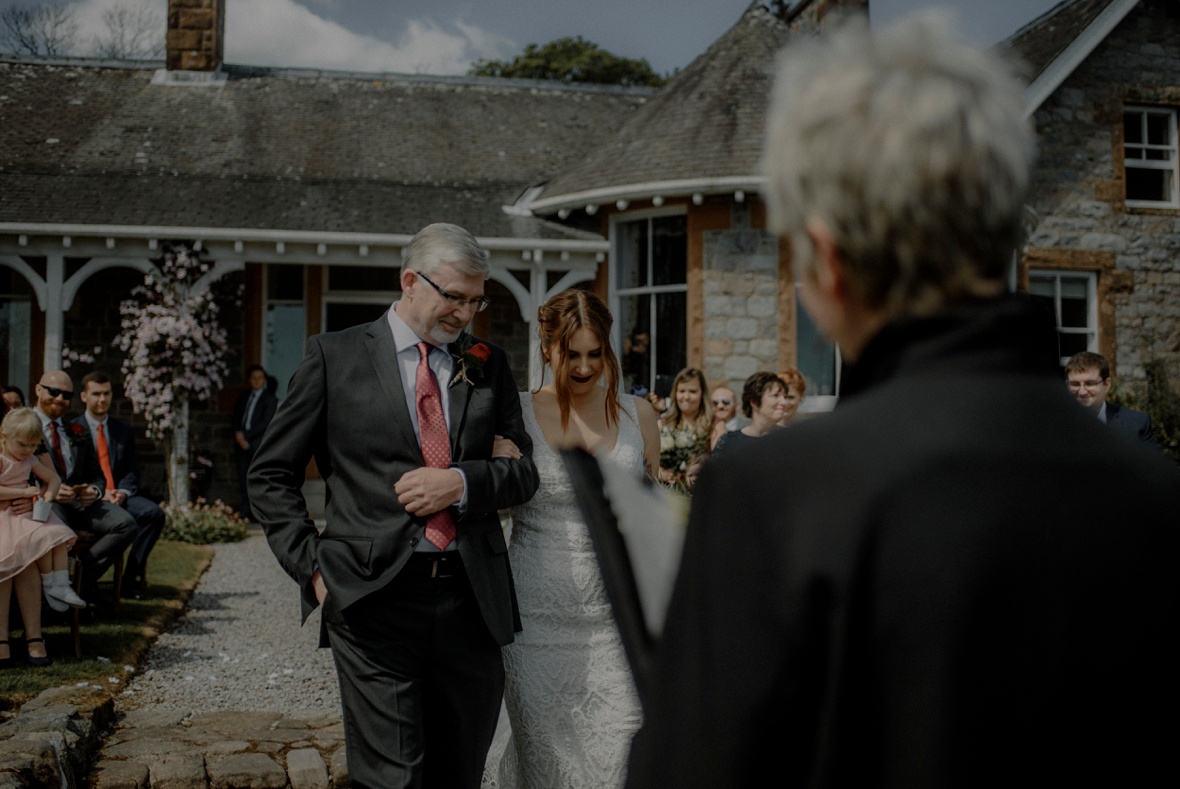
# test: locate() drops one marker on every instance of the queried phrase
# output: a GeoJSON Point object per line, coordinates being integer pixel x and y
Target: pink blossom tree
{"type": "Point", "coordinates": [175, 352]}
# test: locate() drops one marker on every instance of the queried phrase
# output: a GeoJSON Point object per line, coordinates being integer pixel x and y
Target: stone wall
{"type": "Point", "coordinates": [1079, 187]}
{"type": "Point", "coordinates": [740, 281]}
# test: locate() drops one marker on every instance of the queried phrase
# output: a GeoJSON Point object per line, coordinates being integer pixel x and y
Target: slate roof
{"type": "Point", "coordinates": [1042, 40]}
{"type": "Point", "coordinates": [90, 144]}
{"type": "Point", "coordinates": [706, 123]}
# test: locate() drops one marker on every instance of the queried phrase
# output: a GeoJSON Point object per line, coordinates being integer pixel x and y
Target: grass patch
{"type": "Point", "coordinates": [108, 643]}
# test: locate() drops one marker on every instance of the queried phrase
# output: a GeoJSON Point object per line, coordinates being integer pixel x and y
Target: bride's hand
{"type": "Point", "coordinates": [505, 448]}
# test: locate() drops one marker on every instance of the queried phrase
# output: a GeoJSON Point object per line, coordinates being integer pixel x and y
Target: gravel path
{"type": "Point", "coordinates": [240, 646]}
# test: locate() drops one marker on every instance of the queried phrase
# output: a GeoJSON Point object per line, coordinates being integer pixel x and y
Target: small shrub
{"type": "Point", "coordinates": [1159, 400]}
{"type": "Point", "coordinates": [203, 523]}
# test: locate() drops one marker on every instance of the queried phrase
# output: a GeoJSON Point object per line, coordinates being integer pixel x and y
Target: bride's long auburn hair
{"type": "Point", "coordinates": [557, 321]}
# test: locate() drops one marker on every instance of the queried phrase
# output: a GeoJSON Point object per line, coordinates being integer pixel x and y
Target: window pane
{"type": "Point", "coordinates": [817, 355]}
{"type": "Point", "coordinates": [283, 349]}
{"type": "Point", "coordinates": [1133, 127]}
{"type": "Point", "coordinates": [342, 316]}
{"type": "Point", "coordinates": [284, 283]}
{"type": "Point", "coordinates": [1158, 129]}
{"type": "Point", "coordinates": [1159, 155]}
{"type": "Point", "coordinates": [669, 250]}
{"type": "Point", "coordinates": [15, 341]}
{"type": "Point", "coordinates": [631, 267]}
{"type": "Point", "coordinates": [635, 324]}
{"type": "Point", "coordinates": [364, 278]}
{"type": "Point", "coordinates": [1069, 344]}
{"type": "Point", "coordinates": [670, 343]}
{"type": "Point", "coordinates": [1040, 286]}
{"type": "Point", "coordinates": [1075, 312]}
{"type": "Point", "coordinates": [1145, 184]}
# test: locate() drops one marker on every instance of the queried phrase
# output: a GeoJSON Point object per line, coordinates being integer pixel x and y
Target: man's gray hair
{"type": "Point", "coordinates": [443, 243]}
{"type": "Point", "coordinates": [914, 151]}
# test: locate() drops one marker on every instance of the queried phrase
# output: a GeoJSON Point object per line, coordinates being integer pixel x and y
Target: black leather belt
{"type": "Point", "coordinates": [432, 565]}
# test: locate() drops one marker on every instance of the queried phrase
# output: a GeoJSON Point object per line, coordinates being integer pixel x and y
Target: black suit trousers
{"type": "Point", "coordinates": [420, 679]}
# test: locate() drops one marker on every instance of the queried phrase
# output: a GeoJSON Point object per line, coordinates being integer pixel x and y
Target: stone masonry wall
{"type": "Point", "coordinates": [741, 301]}
{"type": "Point", "coordinates": [1078, 189]}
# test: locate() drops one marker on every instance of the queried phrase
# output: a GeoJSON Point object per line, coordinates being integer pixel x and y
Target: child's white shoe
{"type": "Point", "coordinates": [58, 591]}
{"type": "Point", "coordinates": [48, 589]}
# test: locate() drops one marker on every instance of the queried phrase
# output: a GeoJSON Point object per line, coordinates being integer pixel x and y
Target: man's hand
{"type": "Point", "coordinates": [425, 491]}
{"type": "Point", "coordinates": [317, 584]}
{"type": "Point", "coordinates": [65, 495]}
{"type": "Point", "coordinates": [20, 506]}
{"type": "Point", "coordinates": [240, 438]}
{"type": "Point", "coordinates": [505, 448]}
{"type": "Point", "coordinates": [88, 495]}
{"type": "Point", "coordinates": [116, 497]}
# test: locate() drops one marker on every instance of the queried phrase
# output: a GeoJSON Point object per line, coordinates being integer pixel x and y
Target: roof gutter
{"type": "Point", "coordinates": [649, 189]}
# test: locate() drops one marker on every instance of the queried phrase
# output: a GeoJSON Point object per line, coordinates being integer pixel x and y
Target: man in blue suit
{"type": "Point", "coordinates": [1089, 381]}
{"type": "Point", "coordinates": [114, 445]}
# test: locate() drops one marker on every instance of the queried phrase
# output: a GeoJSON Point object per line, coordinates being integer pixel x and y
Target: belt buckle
{"type": "Point", "coordinates": [436, 566]}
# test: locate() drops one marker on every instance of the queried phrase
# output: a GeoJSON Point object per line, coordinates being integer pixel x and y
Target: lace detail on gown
{"type": "Point", "coordinates": [569, 692]}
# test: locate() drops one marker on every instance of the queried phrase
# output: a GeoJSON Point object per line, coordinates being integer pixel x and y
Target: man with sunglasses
{"type": "Point", "coordinates": [79, 500]}
{"type": "Point", "coordinates": [404, 419]}
{"type": "Point", "coordinates": [1088, 377]}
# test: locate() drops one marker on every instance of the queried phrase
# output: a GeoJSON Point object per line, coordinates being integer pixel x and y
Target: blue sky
{"type": "Point", "coordinates": [444, 36]}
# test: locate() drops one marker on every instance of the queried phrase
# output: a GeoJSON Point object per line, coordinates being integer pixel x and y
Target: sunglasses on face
{"type": "Point", "coordinates": [64, 394]}
{"type": "Point", "coordinates": [722, 401]}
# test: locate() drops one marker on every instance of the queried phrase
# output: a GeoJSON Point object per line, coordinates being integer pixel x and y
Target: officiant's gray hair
{"type": "Point", "coordinates": [444, 243]}
{"type": "Point", "coordinates": [914, 151]}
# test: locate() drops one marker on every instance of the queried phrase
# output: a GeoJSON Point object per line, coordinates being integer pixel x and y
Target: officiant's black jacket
{"type": "Point", "coordinates": [958, 578]}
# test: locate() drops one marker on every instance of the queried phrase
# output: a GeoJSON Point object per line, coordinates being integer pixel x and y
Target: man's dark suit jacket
{"type": "Point", "coordinates": [926, 588]}
{"type": "Point", "coordinates": [346, 407]}
{"type": "Point", "coordinates": [1133, 424]}
{"type": "Point", "coordinates": [264, 411]}
{"type": "Point", "coordinates": [86, 468]}
{"type": "Point", "coordinates": [124, 460]}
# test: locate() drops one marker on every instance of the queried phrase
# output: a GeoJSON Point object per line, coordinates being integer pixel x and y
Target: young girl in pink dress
{"type": "Point", "coordinates": [25, 541]}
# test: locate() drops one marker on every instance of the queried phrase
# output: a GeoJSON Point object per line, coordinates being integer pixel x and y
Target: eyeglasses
{"type": "Point", "coordinates": [1086, 384]}
{"type": "Point", "coordinates": [64, 394]}
{"type": "Point", "coordinates": [723, 401]}
{"type": "Point", "coordinates": [479, 304]}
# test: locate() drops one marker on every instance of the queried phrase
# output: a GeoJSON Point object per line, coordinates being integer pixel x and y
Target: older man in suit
{"type": "Point", "coordinates": [114, 447]}
{"type": "Point", "coordinates": [1088, 375]}
{"type": "Point", "coordinates": [402, 417]}
{"type": "Point", "coordinates": [252, 414]}
{"type": "Point", "coordinates": [79, 500]}
{"type": "Point", "coordinates": [955, 578]}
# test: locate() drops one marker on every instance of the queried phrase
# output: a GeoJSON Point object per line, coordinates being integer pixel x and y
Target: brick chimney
{"type": "Point", "coordinates": [196, 34]}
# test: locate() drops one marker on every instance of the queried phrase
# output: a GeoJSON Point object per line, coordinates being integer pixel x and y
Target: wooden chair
{"type": "Point", "coordinates": [82, 545]}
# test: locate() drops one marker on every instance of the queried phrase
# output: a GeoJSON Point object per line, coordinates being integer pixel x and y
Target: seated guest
{"type": "Point", "coordinates": [79, 500]}
{"type": "Point", "coordinates": [1089, 381]}
{"type": "Point", "coordinates": [725, 416]}
{"type": "Point", "coordinates": [114, 446]}
{"type": "Point", "coordinates": [796, 388]}
{"type": "Point", "coordinates": [764, 402]}
{"type": "Point", "coordinates": [13, 397]}
{"type": "Point", "coordinates": [951, 580]}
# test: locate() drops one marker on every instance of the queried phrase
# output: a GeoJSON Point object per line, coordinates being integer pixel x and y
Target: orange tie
{"type": "Point", "coordinates": [104, 459]}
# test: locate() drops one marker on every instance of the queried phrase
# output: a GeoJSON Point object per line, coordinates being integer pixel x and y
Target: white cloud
{"type": "Point", "coordinates": [284, 33]}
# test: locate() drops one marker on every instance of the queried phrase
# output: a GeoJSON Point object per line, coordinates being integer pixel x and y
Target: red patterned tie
{"type": "Point", "coordinates": [436, 444]}
{"type": "Point", "coordinates": [104, 459]}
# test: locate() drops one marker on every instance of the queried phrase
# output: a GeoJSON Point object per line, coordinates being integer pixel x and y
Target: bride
{"type": "Point", "coordinates": [568, 690]}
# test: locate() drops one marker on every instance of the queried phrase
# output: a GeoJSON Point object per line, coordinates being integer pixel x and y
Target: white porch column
{"type": "Point", "coordinates": [55, 268]}
{"type": "Point", "coordinates": [537, 279]}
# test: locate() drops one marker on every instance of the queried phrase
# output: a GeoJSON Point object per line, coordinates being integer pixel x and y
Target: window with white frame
{"type": "Point", "coordinates": [1150, 156]}
{"type": "Point", "coordinates": [650, 298]}
{"type": "Point", "coordinates": [285, 323]}
{"type": "Point", "coordinates": [1072, 297]}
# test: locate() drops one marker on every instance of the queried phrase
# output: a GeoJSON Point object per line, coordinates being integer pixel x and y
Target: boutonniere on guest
{"type": "Point", "coordinates": [469, 358]}
{"type": "Point", "coordinates": [76, 433]}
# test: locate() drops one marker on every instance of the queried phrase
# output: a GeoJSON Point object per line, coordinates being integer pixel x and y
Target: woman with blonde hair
{"type": "Point", "coordinates": [687, 427]}
{"type": "Point", "coordinates": [568, 689]}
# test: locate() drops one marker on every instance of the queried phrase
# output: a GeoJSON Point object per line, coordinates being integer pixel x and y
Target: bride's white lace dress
{"type": "Point", "coordinates": [569, 692]}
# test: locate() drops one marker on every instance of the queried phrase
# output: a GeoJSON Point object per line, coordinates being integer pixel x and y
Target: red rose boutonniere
{"type": "Point", "coordinates": [470, 359]}
{"type": "Point", "coordinates": [76, 434]}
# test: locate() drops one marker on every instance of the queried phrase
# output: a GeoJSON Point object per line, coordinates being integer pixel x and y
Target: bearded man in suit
{"type": "Point", "coordinates": [402, 417]}
{"type": "Point", "coordinates": [957, 578]}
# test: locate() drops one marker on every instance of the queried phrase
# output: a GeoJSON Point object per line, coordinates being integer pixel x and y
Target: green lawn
{"type": "Point", "coordinates": [108, 643]}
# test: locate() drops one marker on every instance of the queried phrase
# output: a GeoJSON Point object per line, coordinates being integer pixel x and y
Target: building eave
{"type": "Point", "coordinates": [646, 191]}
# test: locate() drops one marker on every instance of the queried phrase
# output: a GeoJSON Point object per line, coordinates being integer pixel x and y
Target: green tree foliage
{"type": "Point", "coordinates": [571, 60]}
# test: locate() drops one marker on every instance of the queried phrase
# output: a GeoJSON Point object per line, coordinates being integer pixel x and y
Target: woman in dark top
{"type": "Point", "coordinates": [764, 401]}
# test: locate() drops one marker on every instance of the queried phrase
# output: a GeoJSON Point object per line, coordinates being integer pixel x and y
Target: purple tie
{"type": "Point", "coordinates": [436, 444]}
